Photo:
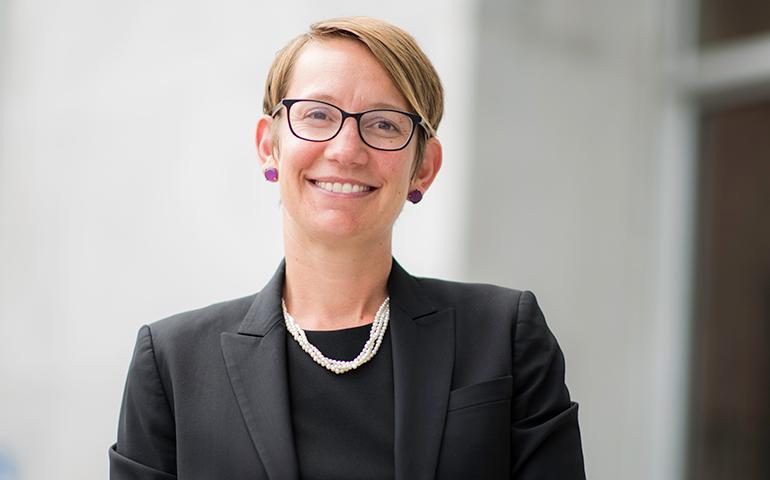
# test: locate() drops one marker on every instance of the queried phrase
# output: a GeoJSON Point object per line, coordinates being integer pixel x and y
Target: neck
{"type": "Point", "coordinates": [331, 287]}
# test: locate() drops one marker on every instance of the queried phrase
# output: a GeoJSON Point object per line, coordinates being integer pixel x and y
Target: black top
{"type": "Point", "coordinates": [478, 390]}
{"type": "Point", "coordinates": [343, 424]}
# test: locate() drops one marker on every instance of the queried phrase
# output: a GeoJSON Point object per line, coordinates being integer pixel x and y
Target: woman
{"type": "Point", "coordinates": [344, 365]}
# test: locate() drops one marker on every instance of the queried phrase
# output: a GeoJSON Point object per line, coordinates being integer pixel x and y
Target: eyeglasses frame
{"type": "Point", "coordinates": [416, 121]}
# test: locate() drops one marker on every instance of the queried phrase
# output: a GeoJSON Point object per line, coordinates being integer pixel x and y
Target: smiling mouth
{"type": "Point", "coordinates": [336, 187]}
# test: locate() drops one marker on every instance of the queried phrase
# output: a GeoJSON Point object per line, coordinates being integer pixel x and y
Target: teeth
{"type": "Point", "coordinates": [342, 187]}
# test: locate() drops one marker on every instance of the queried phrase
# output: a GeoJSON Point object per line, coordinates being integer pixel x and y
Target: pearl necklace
{"type": "Point", "coordinates": [376, 334]}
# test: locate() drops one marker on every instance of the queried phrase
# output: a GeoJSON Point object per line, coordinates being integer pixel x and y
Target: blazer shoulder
{"type": "Point", "coordinates": [213, 319]}
{"type": "Point", "coordinates": [474, 302]}
{"type": "Point", "coordinates": [454, 294]}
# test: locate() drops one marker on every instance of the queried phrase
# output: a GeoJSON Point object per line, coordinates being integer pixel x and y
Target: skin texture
{"type": "Point", "coordinates": [338, 246]}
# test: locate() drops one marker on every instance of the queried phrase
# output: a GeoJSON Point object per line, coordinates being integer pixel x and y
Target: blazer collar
{"type": "Point", "coordinates": [266, 310]}
{"type": "Point", "coordinates": [407, 294]}
{"type": "Point", "coordinates": [423, 341]}
{"type": "Point", "coordinates": [422, 338]}
{"type": "Point", "coordinates": [255, 358]}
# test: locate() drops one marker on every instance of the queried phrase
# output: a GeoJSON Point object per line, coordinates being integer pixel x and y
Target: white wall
{"type": "Point", "coordinates": [129, 190]}
{"type": "Point", "coordinates": [571, 198]}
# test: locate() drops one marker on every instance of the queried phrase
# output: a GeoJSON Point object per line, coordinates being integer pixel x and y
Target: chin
{"type": "Point", "coordinates": [331, 224]}
{"type": "Point", "coordinates": [342, 228]}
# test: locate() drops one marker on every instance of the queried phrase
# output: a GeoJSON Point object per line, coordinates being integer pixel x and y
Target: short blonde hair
{"type": "Point", "coordinates": [395, 49]}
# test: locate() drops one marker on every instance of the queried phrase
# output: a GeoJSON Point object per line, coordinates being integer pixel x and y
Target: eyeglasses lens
{"type": "Point", "coordinates": [382, 129]}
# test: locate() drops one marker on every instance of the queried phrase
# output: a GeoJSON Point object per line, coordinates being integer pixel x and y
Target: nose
{"type": "Point", "coordinates": [347, 147]}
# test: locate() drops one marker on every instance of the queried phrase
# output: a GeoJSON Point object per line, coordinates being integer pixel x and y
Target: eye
{"type": "Point", "coordinates": [317, 114]}
{"type": "Point", "coordinates": [386, 126]}
{"type": "Point", "coordinates": [311, 113]}
{"type": "Point", "coordinates": [381, 124]}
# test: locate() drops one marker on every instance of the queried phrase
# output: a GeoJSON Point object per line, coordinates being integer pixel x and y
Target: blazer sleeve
{"type": "Point", "coordinates": [146, 446]}
{"type": "Point", "coordinates": [545, 433]}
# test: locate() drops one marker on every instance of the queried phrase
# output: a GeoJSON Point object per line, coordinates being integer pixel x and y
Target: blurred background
{"type": "Point", "coordinates": [613, 156]}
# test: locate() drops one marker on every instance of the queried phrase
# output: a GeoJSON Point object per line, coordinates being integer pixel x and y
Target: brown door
{"type": "Point", "coordinates": [730, 395]}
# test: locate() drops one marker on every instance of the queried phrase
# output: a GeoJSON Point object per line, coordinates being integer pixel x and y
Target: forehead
{"type": "Point", "coordinates": [344, 72]}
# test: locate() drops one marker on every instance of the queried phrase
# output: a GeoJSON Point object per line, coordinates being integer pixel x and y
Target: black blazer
{"type": "Point", "coordinates": [478, 389]}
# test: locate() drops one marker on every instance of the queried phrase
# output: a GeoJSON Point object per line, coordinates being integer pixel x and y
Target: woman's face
{"type": "Point", "coordinates": [344, 73]}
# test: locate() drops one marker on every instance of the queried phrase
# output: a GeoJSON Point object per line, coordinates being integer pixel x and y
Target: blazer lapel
{"type": "Point", "coordinates": [423, 340]}
{"type": "Point", "coordinates": [423, 357]}
{"type": "Point", "coordinates": [256, 364]}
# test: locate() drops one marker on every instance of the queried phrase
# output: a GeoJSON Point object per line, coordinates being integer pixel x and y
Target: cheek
{"type": "Point", "coordinates": [396, 172]}
{"type": "Point", "coordinates": [399, 179]}
{"type": "Point", "coordinates": [286, 145]}
{"type": "Point", "coordinates": [401, 170]}
{"type": "Point", "coordinates": [296, 154]}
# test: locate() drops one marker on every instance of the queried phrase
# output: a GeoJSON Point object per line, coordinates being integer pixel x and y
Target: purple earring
{"type": "Point", "coordinates": [414, 196]}
{"type": "Point", "coordinates": [271, 174]}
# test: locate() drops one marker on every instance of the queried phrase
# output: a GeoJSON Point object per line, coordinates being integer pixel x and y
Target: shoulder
{"type": "Point", "coordinates": [481, 307]}
{"type": "Point", "coordinates": [497, 329]}
{"type": "Point", "coordinates": [479, 297]}
{"type": "Point", "coordinates": [202, 324]}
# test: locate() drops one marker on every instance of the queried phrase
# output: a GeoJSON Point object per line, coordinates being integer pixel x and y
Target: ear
{"type": "Point", "coordinates": [431, 164]}
{"type": "Point", "coordinates": [264, 137]}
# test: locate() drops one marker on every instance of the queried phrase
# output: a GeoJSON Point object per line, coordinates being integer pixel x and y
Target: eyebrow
{"type": "Point", "coordinates": [334, 101]}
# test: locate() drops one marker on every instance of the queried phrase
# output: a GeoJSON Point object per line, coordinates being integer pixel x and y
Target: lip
{"type": "Point", "coordinates": [351, 181]}
{"type": "Point", "coordinates": [312, 183]}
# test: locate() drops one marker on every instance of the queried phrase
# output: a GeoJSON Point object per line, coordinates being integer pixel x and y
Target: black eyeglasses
{"type": "Point", "coordinates": [381, 129]}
